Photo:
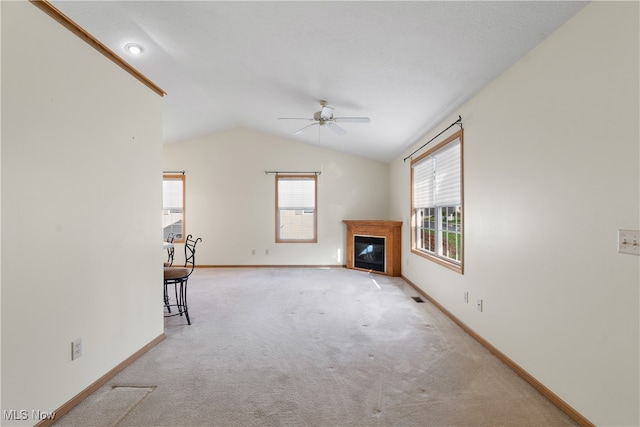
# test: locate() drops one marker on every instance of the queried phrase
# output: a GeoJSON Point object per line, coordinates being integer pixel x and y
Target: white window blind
{"type": "Point", "coordinates": [424, 183]}
{"type": "Point", "coordinates": [172, 194]}
{"type": "Point", "coordinates": [296, 193]}
{"type": "Point", "coordinates": [437, 178]}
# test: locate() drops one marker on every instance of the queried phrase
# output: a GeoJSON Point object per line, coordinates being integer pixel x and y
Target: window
{"type": "Point", "coordinates": [296, 211]}
{"type": "Point", "coordinates": [436, 203]}
{"type": "Point", "coordinates": [173, 206]}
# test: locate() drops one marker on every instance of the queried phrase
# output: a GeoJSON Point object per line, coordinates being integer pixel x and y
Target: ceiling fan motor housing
{"type": "Point", "coordinates": [318, 117]}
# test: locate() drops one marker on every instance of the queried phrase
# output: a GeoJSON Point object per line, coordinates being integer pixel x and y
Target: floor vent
{"type": "Point", "coordinates": [417, 299]}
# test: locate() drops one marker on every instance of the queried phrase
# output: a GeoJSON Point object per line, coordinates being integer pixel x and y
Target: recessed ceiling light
{"type": "Point", "coordinates": [134, 48]}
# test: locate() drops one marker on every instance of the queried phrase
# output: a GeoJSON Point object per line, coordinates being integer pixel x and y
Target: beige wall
{"type": "Point", "coordinates": [551, 173]}
{"type": "Point", "coordinates": [231, 201]}
{"type": "Point", "coordinates": [81, 192]}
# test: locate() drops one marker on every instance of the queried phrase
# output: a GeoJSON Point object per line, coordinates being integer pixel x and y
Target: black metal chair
{"type": "Point", "coordinates": [170, 251]}
{"type": "Point", "coordinates": [169, 263]}
{"type": "Point", "coordinates": [178, 277]}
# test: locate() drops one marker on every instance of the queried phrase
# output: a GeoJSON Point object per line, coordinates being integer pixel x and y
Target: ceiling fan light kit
{"type": "Point", "coordinates": [325, 117]}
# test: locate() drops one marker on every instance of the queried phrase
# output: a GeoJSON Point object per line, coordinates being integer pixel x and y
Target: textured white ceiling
{"type": "Point", "coordinates": [406, 65]}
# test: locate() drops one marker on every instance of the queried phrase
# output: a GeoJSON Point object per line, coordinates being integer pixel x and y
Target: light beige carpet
{"type": "Point", "coordinates": [313, 347]}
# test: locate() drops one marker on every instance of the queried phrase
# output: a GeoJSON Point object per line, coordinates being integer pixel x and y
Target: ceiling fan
{"type": "Point", "coordinates": [325, 117]}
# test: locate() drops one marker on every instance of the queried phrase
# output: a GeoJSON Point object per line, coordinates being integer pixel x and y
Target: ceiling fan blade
{"type": "Point", "coordinates": [337, 129]}
{"type": "Point", "coordinates": [326, 113]}
{"type": "Point", "coordinates": [307, 126]}
{"type": "Point", "coordinates": [352, 119]}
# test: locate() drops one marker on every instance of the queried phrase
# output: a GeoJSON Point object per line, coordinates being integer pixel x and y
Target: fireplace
{"type": "Point", "coordinates": [368, 253]}
{"type": "Point", "coordinates": [374, 246]}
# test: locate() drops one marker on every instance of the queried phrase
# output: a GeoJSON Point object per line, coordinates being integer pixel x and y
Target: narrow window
{"type": "Point", "coordinates": [173, 206]}
{"type": "Point", "coordinates": [436, 203]}
{"type": "Point", "coordinates": [296, 213]}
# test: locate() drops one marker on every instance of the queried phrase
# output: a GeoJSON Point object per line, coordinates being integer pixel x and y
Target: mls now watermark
{"type": "Point", "coordinates": [23, 414]}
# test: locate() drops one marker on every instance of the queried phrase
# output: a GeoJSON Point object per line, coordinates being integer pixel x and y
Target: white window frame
{"type": "Point", "coordinates": [437, 204]}
{"type": "Point", "coordinates": [303, 207]}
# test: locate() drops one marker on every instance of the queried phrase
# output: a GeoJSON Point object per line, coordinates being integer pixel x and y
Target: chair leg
{"type": "Point", "coordinates": [177, 304]}
{"type": "Point", "coordinates": [183, 297]}
{"type": "Point", "coordinates": [180, 290]}
{"type": "Point", "coordinates": [166, 298]}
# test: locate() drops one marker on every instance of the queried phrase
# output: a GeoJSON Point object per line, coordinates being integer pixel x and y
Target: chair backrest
{"type": "Point", "coordinates": [190, 252]}
{"type": "Point", "coordinates": [170, 251]}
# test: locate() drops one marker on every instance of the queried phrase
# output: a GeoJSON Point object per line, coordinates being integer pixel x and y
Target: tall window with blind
{"type": "Point", "coordinates": [173, 206]}
{"type": "Point", "coordinates": [296, 212]}
{"type": "Point", "coordinates": [436, 203]}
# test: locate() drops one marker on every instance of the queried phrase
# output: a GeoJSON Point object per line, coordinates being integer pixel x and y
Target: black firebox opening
{"type": "Point", "coordinates": [368, 253]}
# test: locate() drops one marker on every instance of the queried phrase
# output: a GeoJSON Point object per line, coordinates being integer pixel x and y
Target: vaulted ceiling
{"type": "Point", "coordinates": [405, 65]}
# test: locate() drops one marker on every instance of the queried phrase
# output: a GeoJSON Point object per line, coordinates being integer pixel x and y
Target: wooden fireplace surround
{"type": "Point", "coordinates": [389, 230]}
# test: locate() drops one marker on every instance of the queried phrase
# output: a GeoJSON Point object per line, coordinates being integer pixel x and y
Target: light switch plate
{"type": "Point", "coordinates": [629, 242]}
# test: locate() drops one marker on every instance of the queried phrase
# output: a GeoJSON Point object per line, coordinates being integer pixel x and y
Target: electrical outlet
{"type": "Point", "coordinates": [466, 297]}
{"type": "Point", "coordinates": [76, 348]}
{"type": "Point", "coordinates": [266, 251]}
{"type": "Point", "coordinates": [629, 242]}
{"type": "Point", "coordinates": [253, 251]}
{"type": "Point", "coordinates": [479, 305]}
